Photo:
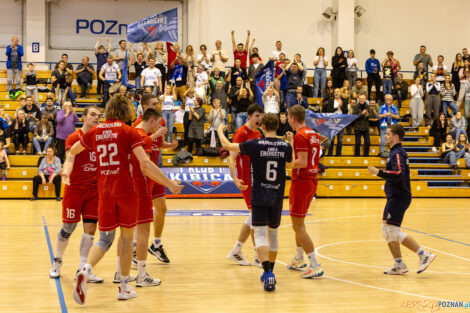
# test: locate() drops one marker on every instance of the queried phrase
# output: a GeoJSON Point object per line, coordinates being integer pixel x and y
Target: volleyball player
{"type": "Point", "coordinates": [268, 158]}
{"type": "Point", "coordinates": [398, 192]}
{"type": "Point", "coordinates": [242, 179]}
{"type": "Point", "coordinates": [303, 188]}
{"type": "Point", "coordinates": [113, 142]}
{"type": "Point", "coordinates": [80, 199]}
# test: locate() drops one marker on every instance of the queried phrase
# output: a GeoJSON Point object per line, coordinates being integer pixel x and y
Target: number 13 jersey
{"type": "Point", "coordinates": [307, 140]}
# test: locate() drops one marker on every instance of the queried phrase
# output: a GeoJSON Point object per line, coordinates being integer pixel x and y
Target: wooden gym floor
{"type": "Point", "coordinates": [201, 279]}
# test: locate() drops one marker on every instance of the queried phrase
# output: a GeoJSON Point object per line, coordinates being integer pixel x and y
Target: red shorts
{"type": "Point", "coordinates": [247, 196]}
{"type": "Point", "coordinates": [116, 212]}
{"type": "Point", "coordinates": [157, 190]}
{"type": "Point", "coordinates": [78, 203]}
{"type": "Point", "coordinates": [145, 203]}
{"type": "Point", "coordinates": [301, 195]}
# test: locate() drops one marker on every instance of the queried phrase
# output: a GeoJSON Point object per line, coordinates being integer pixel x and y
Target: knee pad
{"type": "Point", "coordinates": [260, 236]}
{"type": "Point", "coordinates": [67, 230]}
{"type": "Point", "coordinates": [273, 243]}
{"type": "Point", "coordinates": [393, 233]}
{"type": "Point", "coordinates": [248, 221]}
{"type": "Point", "coordinates": [106, 239]}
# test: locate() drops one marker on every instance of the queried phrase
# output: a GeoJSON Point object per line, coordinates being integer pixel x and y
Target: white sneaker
{"type": "Point", "coordinates": [79, 288]}
{"type": "Point", "coordinates": [434, 149]}
{"type": "Point", "coordinates": [147, 281]}
{"type": "Point", "coordinates": [55, 269]}
{"type": "Point", "coordinates": [397, 269]}
{"type": "Point", "coordinates": [298, 265]}
{"type": "Point", "coordinates": [238, 258]}
{"type": "Point", "coordinates": [117, 278]}
{"type": "Point", "coordinates": [257, 263]}
{"type": "Point", "coordinates": [93, 279]}
{"type": "Point", "coordinates": [127, 293]}
{"type": "Point", "coordinates": [425, 260]}
{"type": "Point", "coordinates": [312, 272]}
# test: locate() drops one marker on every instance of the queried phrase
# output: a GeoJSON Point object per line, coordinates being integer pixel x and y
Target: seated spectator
{"type": "Point", "coordinates": [59, 82]}
{"type": "Point", "coordinates": [463, 146]}
{"type": "Point", "coordinates": [329, 91]}
{"type": "Point", "coordinates": [43, 133]}
{"type": "Point", "coordinates": [271, 100]}
{"type": "Point", "coordinates": [439, 131]}
{"type": "Point", "coordinates": [351, 70]}
{"type": "Point", "coordinates": [433, 103]}
{"type": "Point", "coordinates": [55, 104]}
{"type": "Point", "coordinates": [300, 98]}
{"type": "Point", "coordinates": [5, 139]}
{"type": "Point", "coordinates": [32, 113]}
{"type": "Point", "coordinates": [196, 126]}
{"type": "Point", "coordinates": [101, 57]}
{"type": "Point", "coordinates": [374, 118]}
{"type": "Point", "coordinates": [458, 125]}
{"type": "Point", "coordinates": [284, 125]}
{"type": "Point", "coordinates": [22, 106]}
{"type": "Point", "coordinates": [168, 109]}
{"type": "Point", "coordinates": [4, 162]}
{"type": "Point", "coordinates": [109, 75]}
{"type": "Point", "coordinates": [85, 73]}
{"type": "Point", "coordinates": [31, 83]}
{"type": "Point", "coordinates": [338, 106]}
{"type": "Point", "coordinates": [217, 116]}
{"type": "Point", "coordinates": [49, 111]}
{"type": "Point", "coordinates": [179, 77]}
{"type": "Point", "coordinates": [5, 119]}
{"type": "Point", "coordinates": [237, 71]}
{"type": "Point", "coordinates": [421, 73]}
{"type": "Point", "coordinates": [416, 103]}
{"type": "Point", "coordinates": [189, 100]}
{"type": "Point", "coordinates": [447, 96]}
{"type": "Point", "coordinates": [19, 129]}
{"type": "Point", "coordinates": [66, 120]}
{"type": "Point", "coordinates": [388, 115]}
{"type": "Point", "coordinates": [244, 99]}
{"type": "Point", "coordinates": [400, 91]}
{"type": "Point", "coordinates": [450, 153]}
{"type": "Point", "coordinates": [358, 89]}
{"type": "Point", "coordinates": [219, 91]}
{"type": "Point", "coordinates": [361, 125]}
{"type": "Point", "coordinates": [346, 91]}
{"type": "Point", "coordinates": [48, 173]}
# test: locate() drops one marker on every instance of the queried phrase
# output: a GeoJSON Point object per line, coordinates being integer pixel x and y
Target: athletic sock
{"type": "Point", "coordinates": [124, 280]}
{"type": "Point", "coordinates": [85, 245]}
{"type": "Point", "coordinates": [256, 254]}
{"type": "Point", "coordinates": [118, 264]}
{"type": "Point", "coordinates": [272, 266]}
{"type": "Point", "coordinates": [60, 246]}
{"type": "Point", "coordinates": [238, 246]}
{"type": "Point", "coordinates": [157, 242]}
{"type": "Point", "coordinates": [421, 251]}
{"type": "Point", "coordinates": [141, 268]}
{"type": "Point", "coordinates": [399, 261]}
{"type": "Point", "coordinates": [87, 268]}
{"type": "Point", "coordinates": [266, 266]}
{"type": "Point", "coordinates": [300, 253]}
{"type": "Point", "coordinates": [313, 259]}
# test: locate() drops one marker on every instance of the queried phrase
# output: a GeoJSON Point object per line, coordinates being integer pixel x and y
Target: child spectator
{"type": "Point", "coordinates": [4, 162]}
{"type": "Point", "coordinates": [387, 79]}
{"type": "Point", "coordinates": [31, 83]}
{"type": "Point", "coordinates": [101, 57]}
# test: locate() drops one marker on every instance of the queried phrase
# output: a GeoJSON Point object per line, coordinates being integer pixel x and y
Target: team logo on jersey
{"type": "Point", "coordinates": [88, 168]}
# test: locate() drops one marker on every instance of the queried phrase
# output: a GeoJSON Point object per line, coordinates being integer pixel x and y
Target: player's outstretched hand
{"type": "Point", "coordinates": [161, 131]}
{"type": "Point", "coordinates": [290, 137]}
{"type": "Point", "coordinates": [373, 170]}
{"type": "Point", "coordinates": [175, 187]}
{"type": "Point", "coordinates": [239, 184]}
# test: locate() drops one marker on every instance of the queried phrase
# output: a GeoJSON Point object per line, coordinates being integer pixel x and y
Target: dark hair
{"type": "Point", "coordinates": [64, 55]}
{"type": "Point", "coordinates": [372, 51]}
{"type": "Point", "coordinates": [278, 41]}
{"type": "Point", "coordinates": [270, 121]}
{"type": "Point", "coordinates": [422, 46]}
{"type": "Point", "coordinates": [253, 108]}
{"type": "Point", "coordinates": [397, 129]}
{"type": "Point", "coordinates": [121, 41]}
{"type": "Point", "coordinates": [440, 55]}
{"type": "Point", "coordinates": [282, 113]}
{"type": "Point", "coordinates": [30, 64]}
{"type": "Point", "coordinates": [240, 44]}
{"type": "Point", "coordinates": [255, 55]}
{"type": "Point", "coordinates": [358, 80]}
{"type": "Point", "coordinates": [149, 113]}
{"type": "Point", "coordinates": [297, 112]}
{"type": "Point", "coordinates": [336, 51]}
{"type": "Point", "coordinates": [202, 46]}
{"type": "Point", "coordinates": [145, 100]}
{"type": "Point", "coordinates": [49, 98]}
{"type": "Point", "coordinates": [199, 101]}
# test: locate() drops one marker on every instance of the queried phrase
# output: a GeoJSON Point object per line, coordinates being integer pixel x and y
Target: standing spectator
{"type": "Point", "coordinates": [439, 131]}
{"type": "Point", "coordinates": [4, 162]}
{"type": "Point", "coordinates": [400, 90]}
{"type": "Point", "coordinates": [447, 96]}
{"type": "Point", "coordinates": [140, 63]}
{"type": "Point", "coordinates": [457, 125]}
{"type": "Point", "coordinates": [275, 53]}
{"type": "Point", "coordinates": [32, 113]}
{"type": "Point", "coordinates": [5, 139]}
{"type": "Point", "coordinates": [203, 57]}
{"type": "Point", "coordinates": [66, 120]}
{"type": "Point", "coordinates": [433, 104]}
{"type": "Point", "coordinates": [48, 172]}
{"type": "Point", "coordinates": [358, 89]}
{"type": "Point", "coordinates": [423, 57]}
{"type": "Point", "coordinates": [329, 91]}
{"type": "Point", "coordinates": [178, 77]}
{"type": "Point", "coordinates": [32, 83]}
{"type": "Point", "coordinates": [244, 99]}
{"type": "Point", "coordinates": [252, 50]}
{"type": "Point", "coordinates": [160, 60]}
{"type": "Point", "coordinates": [456, 67]}
{"type": "Point", "coordinates": [220, 92]}
{"type": "Point", "coordinates": [196, 126]}
{"type": "Point", "coordinates": [464, 76]}
{"type": "Point", "coordinates": [14, 53]}
{"type": "Point", "coordinates": [43, 133]}
{"type": "Point", "coordinates": [19, 129]}
{"type": "Point", "coordinates": [374, 118]}
{"type": "Point", "coordinates": [121, 54]}
{"type": "Point", "coordinates": [465, 54]}
{"type": "Point", "coordinates": [416, 103]}
{"type": "Point", "coordinates": [254, 70]}
{"type": "Point", "coordinates": [59, 82]}
{"type": "Point", "coordinates": [361, 125]}
{"type": "Point", "coordinates": [109, 74]}
{"type": "Point", "coordinates": [467, 97]}
{"type": "Point", "coordinates": [294, 80]}
{"type": "Point", "coordinates": [239, 51]}
{"type": "Point", "coordinates": [202, 82]}
{"type": "Point", "coordinates": [388, 115]}
{"type": "Point", "coordinates": [440, 70]}
{"type": "Point", "coordinates": [190, 60]}
{"type": "Point", "coordinates": [101, 58]}
{"type": "Point", "coordinates": [152, 77]}
{"type": "Point", "coordinates": [189, 100]}
{"type": "Point", "coordinates": [271, 100]}
{"type": "Point", "coordinates": [168, 109]}
{"type": "Point", "coordinates": [373, 75]}
{"type": "Point", "coordinates": [394, 64]}
{"type": "Point", "coordinates": [217, 116]}
{"type": "Point", "coordinates": [68, 77]}
{"type": "Point", "coordinates": [237, 71]}
{"type": "Point", "coordinates": [421, 74]}
{"type": "Point", "coordinates": [387, 78]}
{"type": "Point", "coordinates": [336, 105]}
{"type": "Point", "coordinates": [351, 70]}
{"type": "Point", "coordinates": [339, 64]}
{"type": "Point", "coordinates": [233, 95]}
{"type": "Point", "coordinates": [319, 78]}
{"type": "Point", "coordinates": [219, 58]}
{"type": "Point", "coordinates": [85, 73]}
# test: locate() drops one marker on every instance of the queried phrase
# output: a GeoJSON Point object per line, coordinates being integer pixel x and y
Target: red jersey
{"type": "Point", "coordinates": [307, 140]}
{"type": "Point", "coordinates": [83, 176]}
{"type": "Point", "coordinates": [156, 144]}
{"type": "Point", "coordinates": [113, 142]}
{"type": "Point", "coordinates": [147, 145]}
{"type": "Point", "coordinates": [243, 161]}
{"type": "Point", "coordinates": [243, 56]}
{"type": "Point", "coordinates": [139, 120]}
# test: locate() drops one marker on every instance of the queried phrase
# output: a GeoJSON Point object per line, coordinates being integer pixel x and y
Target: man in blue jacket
{"type": "Point", "coordinates": [398, 192]}
{"type": "Point", "coordinates": [14, 54]}
{"type": "Point", "coordinates": [373, 75]}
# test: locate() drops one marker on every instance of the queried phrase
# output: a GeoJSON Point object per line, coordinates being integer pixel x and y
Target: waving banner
{"type": "Point", "coordinates": [158, 27]}
{"type": "Point", "coordinates": [328, 124]}
{"type": "Point", "coordinates": [263, 79]}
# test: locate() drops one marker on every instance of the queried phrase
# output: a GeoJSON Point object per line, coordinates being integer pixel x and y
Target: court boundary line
{"type": "Point", "coordinates": [58, 284]}
{"type": "Point", "coordinates": [436, 236]}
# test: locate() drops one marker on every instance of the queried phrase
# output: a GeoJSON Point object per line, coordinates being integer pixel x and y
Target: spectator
{"type": "Point", "coordinates": [19, 129]}
{"type": "Point", "coordinates": [457, 125]}
{"type": "Point", "coordinates": [109, 74]}
{"type": "Point", "coordinates": [48, 173]}
{"type": "Point", "coordinates": [400, 92]}
{"type": "Point", "coordinates": [252, 50]}
{"type": "Point", "coordinates": [237, 71]}
{"type": "Point", "coordinates": [464, 77]}
{"type": "Point", "coordinates": [54, 104]}
{"type": "Point", "coordinates": [388, 115]}
{"type": "Point", "coordinates": [374, 117]}
{"type": "Point", "coordinates": [168, 109]}
{"type": "Point", "coordinates": [294, 80]}
{"type": "Point", "coordinates": [432, 102]}
{"type": "Point", "coordinates": [22, 105]}
{"type": "Point", "coordinates": [59, 82]}
{"type": "Point", "coordinates": [416, 103]}
{"type": "Point", "coordinates": [43, 133]}
{"type": "Point", "coordinates": [358, 89]}
{"type": "Point", "coordinates": [49, 111]}
{"type": "Point", "coordinates": [319, 79]}
{"type": "Point", "coordinates": [196, 126]}
{"type": "Point", "coordinates": [244, 99]}
{"type": "Point", "coordinates": [346, 92]}
{"type": "Point", "coordinates": [465, 55]}
{"type": "Point", "coordinates": [5, 119]}
{"type": "Point", "coordinates": [439, 131]}
{"type": "Point", "coordinates": [284, 125]}
{"type": "Point", "coordinates": [423, 57]}
{"type": "Point", "coordinates": [448, 152]}
{"type": "Point", "coordinates": [85, 73]}
{"type": "Point", "coordinates": [254, 70]}
{"type": "Point", "coordinates": [189, 100]}
{"type": "Point", "coordinates": [373, 75]}
{"type": "Point", "coordinates": [14, 53]}
{"type": "Point", "coordinates": [190, 60]}
{"type": "Point", "coordinates": [101, 58]}
{"type": "Point", "coordinates": [215, 77]}
{"type": "Point", "coordinates": [421, 74]}
{"type": "Point", "coordinates": [152, 77]}
{"type": "Point", "coordinates": [4, 162]}
{"type": "Point", "coordinates": [68, 77]}
{"type": "Point", "coordinates": [339, 64]}
{"type": "Point", "coordinates": [160, 60]}
{"type": "Point", "coordinates": [271, 100]}
{"type": "Point", "coordinates": [394, 64]}
{"type": "Point", "coordinates": [275, 53]}
{"type": "Point", "coordinates": [329, 91]}
{"type": "Point", "coordinates": [178, 77]}
{"type": "Point", "coordinates": [447, 96]}
{"type": "Point", "coordinates": [5, 139]}
{"type": "Point", "coordinates": [217, 116]}
{"type": "Point", "coordinates": [220, 93]}
{"type": "Point", "coordinates": [464, 147]}
{"type": "Point", "coordinates": [120, 54]}
{"type": "Point", "coordinates": [219, 58]}
{"type": "Point", "coordinates": [281, 80]}
{"type": "Point", "coordinates": [66, 120]}
{"type": "Point", "coordinates": [233, 95]}
{"type": "Point", "coordinates": [467, 98]}
{"type": "Point", "coordinates": [336, 105]}
{"type": "Point", "coordinates": [32, 113]}
{"type": "Point", "coordinates": [174, 52]}
{"type": "Point", "coordinates": [440, 70]}
{"type": "Point", "coordinates": [387, 78]}
{"type": "Point", "coordinates": [300, 98]}
{"type": "Point", "coordinates": [351, 70]}
{"type": "Point", "coordinates": [239, 51]}
{"type": "Point", "coordinates": [140, 63]}
{"type": "Point", "coordinates": [202, 82]}
{"type": "Point", "coordinates": [456, 67]}
{"type": "Point", "coordinates": [203, 57]}
{"type": "Point", "coordinates": [361, 125]}
{"type": "Point", "coordinates": [32, 83]}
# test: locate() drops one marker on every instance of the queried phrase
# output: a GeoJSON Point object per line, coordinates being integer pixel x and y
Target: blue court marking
{"type": "Point", "coordinates": [213, 212]}
{"type": "Point", "coordinates": [436, 236]}
{"type": "Point", "coordinates": [63, 306]}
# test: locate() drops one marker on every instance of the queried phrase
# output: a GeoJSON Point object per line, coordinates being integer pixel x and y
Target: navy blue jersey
{"type": "Point", "coordinates": [268, 157]}
{"type": "Point", "coordinates": [397, 174]}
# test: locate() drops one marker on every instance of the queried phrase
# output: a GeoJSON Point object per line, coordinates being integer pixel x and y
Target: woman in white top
{"type": "Point", "coordinates": [203, 57]}
{"type": "Point", "coordinates": [190, 60]}
{"type": "Point", "coordinates": [160, 60]}
{"type": "Point", "coordinates": [416, 103]}
{"type": "Point", "coordinates": [189, 99]}
{"type": "Point", "coordinates": [271, 100]}
{"type": "Point", "coordinates": [319, 79]}
{"type": "Point", "coordinates": [168, 109]}
{"type": "Point", "coordinates": [202, 81]}
{"type": "Point", "coordinates": [351, 70]}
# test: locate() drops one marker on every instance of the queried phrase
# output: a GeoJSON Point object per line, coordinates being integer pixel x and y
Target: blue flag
{"type": "Point", "coordinates": [328, 124]}
{"type": "Point", "coordinates": [262, 80]}
{"type": "Point", "coordinates": [124, 74]}
{"type": "Point", "coordinates": [158, 27]}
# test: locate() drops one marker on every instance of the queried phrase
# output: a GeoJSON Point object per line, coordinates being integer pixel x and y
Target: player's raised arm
{"type": "Point", "coordinates": [70, 158]}
{"type": "Point", "coordinates": [225, 142]}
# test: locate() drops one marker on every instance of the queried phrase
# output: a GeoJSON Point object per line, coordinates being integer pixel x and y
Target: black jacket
{"type": "Point", "coordinates": [397, 174]}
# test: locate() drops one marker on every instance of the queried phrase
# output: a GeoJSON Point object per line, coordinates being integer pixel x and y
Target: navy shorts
{"type": "Point", "coordinates": [395, 210]}
{"type": "Point", "coordinates": [266, 216]}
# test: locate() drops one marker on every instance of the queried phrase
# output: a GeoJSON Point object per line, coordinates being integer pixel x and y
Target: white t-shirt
{"type": "Point", "coordinates": [200, 78]}
{"type": "Point", "coordinates": [189, 102]}
{"type": "Point", "coordinates": [218, 63]}
{"type": "Point", "coordinates": [320, 63]}
{"type": "Point", "coordinates": [203, 61]}
{"type": "Point", "coordinates": [439, 78]}
{"type": "Point", "coordinates": [150, 75]}
{"type": "Point", "coordinates": [271, 104]}
{"type": "Point", "coordinates": [337, 107]}
{"type": "Point", "coordinates": [350, 67]}
{"type": "Point", "coordinates": [168, 103]}
{"type": "Point", "coordinates": [275, 54]}
{"type": "Point", "coordinates": [110, 71]}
